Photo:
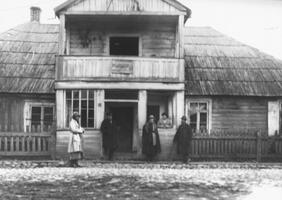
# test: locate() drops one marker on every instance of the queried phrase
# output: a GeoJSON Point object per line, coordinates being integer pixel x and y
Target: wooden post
{"type": "Point", "coordinates": [60, 103]}
{"type": "Point", "coordinates": [99, 112]}
{"type": "Point", "coordinates": [178, 107]}
{"type": "Point", "coordinates": [259, 146]}
{"type": "Point", "coordinates": [142, 113]}
{"type": "Point", "coordinates": [181, 36]}
{"type": "Point", "coordinates": [62, 35]}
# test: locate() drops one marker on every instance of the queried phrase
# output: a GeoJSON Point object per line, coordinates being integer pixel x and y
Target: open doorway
{"type": "Point", "coordinates": [123, 118]}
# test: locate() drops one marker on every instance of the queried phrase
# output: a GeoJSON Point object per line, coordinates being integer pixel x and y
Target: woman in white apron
{"type": "Point", "coordinates": [75, 143]}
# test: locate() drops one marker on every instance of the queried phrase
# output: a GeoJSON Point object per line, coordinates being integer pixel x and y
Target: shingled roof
{"type": "Point", "coordinates": [215, 63]}
{"type": "Point", "coordinates": [219, 65]}
{"type": "Point", "coordinates": [27, 58]}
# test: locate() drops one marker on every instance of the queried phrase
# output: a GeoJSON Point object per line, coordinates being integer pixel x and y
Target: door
{"type": "Point", "coordinates": [154, 110]}
{"type": "Point", "coordinates": [123, 118]}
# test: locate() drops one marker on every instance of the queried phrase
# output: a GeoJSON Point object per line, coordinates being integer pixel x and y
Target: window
{"type": "Point", "coordinates": [198, 112]}
{"type": "Point", "coordinates": [81, 101]}
{"type": "Point", "coordinates": [125, 46]}
{"type": "Point", "coordinates": [39, 117]}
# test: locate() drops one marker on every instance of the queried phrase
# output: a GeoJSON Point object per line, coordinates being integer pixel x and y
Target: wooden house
{"type": "Point", "coordinates": [27, 97]}
{"type": "Point", "coordinates": [131, 58]}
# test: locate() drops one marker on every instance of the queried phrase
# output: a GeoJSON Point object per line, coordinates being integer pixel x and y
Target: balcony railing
{"type": "Point", "coordinates": [119, 68]}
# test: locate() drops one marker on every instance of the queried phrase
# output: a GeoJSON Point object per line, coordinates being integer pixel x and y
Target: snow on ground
{"type": "Point", "coordinates": [107, 182]}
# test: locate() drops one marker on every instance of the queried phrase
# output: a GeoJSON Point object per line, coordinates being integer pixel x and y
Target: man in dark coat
{"type": "Point", "coordinates": [109, 132]}
{"type": "Point", "coordinates": [150, 139]}
{"type": "Point", "coordinates": [183, 138]}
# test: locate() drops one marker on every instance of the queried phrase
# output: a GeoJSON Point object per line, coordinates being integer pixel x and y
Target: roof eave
{"type": "Point", "coordinates": [174, 3]}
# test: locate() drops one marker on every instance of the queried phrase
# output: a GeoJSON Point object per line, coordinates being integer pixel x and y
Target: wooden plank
{"type": "Point", "coordinates": [87, 13]}
{"type": "Point", "coordinates": [23, 143]}
{"type": "Point", "coordinates": [33, 140]}
{"type": "Point", "coordinates": [181, 36]}
{"type": "Point", "coordinates": [62, 35]}
{"type": "Point", "coordinates": [5, 144]}
{"type": "Point", "coordinates": [39, 144]}
{"type": "Point", "coordinates": [44, 145]}
{"type": "Point", "coordinates": [24, 153]}
{"type": "Point", "coordinates": [17, 144]}
{"type": "Point", "coordinates": [12, 144]}
{"type": "Point", "coordinates": [118, 85]}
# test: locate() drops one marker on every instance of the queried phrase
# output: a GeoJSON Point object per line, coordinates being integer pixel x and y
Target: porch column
{"type": "Point", "coordinates": [178, 107]}
{"type": "Point", "coordinates": [142, 116]}
{"type": "Point", "coordinates": [60, 105]}
{"type": "Point", "coordinates": [100, 112]}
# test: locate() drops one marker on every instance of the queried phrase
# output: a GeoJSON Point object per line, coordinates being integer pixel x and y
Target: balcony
{"type": "Point", "coordinates": [89, 68]}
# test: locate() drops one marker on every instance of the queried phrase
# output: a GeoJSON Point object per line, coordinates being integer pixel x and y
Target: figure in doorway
{"type": "Point", "coordinates": [150, 139]}
{"type": "Point", "coordinates": [75, 147]}
{"type": "Point", "coordinates": [182, 139]}
{"type": "Point", "coordinates": [109, 135]}
{"type": "Point", "coordinates": [165, 121]}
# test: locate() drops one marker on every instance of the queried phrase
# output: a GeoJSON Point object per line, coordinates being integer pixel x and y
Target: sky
{"type": "Point", "coordinates": [255, 22]}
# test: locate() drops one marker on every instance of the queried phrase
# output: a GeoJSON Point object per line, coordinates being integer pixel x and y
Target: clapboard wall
{"type": "Point", "coordinates": [239, 113]}
{"type": "Point", "coordinates": [12, 110]}
{"type": "Point", "coordinates": [91, 36]}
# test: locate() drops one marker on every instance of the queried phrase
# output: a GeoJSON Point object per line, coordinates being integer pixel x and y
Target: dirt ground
{"type": "Point", "coordinates": [126, 181]}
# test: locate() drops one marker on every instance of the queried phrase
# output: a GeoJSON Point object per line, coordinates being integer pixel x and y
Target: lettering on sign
{"type": "Point", "coordinates": [122, 67]}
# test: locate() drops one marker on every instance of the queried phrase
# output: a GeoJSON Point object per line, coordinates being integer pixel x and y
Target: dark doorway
{"type": "Point", "coordinates": [124, 46]}
{"type": "Point", "coordinates": [153, 110]}
{"type": "Point", "coordinates": [123, 118]}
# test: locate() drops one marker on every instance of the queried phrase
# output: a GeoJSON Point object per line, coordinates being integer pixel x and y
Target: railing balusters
{"type": "Point", "coordinates": [44, 144]}
{"type": "Point", "coordinates": [39, 144]}
{"type": "Point", "coordinates": [12, 144]}
{"type": "Point", "coordinates": [33, 144]}
{"type": "Point", "coordinates": [5, 144]}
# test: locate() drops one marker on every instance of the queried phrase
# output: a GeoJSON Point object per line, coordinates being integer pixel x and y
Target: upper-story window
{"type": "Point", "coordinates": [124, 46]}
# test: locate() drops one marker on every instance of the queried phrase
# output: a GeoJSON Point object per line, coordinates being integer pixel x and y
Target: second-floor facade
{"type": "Point", "coordinates": [121, 40]}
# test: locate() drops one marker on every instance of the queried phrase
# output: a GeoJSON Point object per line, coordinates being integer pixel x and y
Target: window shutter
{"type": "Point", "coordinates": [273, 117]}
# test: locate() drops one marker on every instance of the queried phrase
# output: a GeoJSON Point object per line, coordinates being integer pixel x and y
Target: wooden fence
{"type": "Point", "coordinates": [256, 147]}
{"type": "Point", "coordinates": [26, 144]}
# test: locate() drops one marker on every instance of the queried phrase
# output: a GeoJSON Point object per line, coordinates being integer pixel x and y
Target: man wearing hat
{"type": "Point", "coordinates": [183, 138]}
{"type": "Point", "coordinates": [150, 139]}
{"type": "Point", "coordinates": [109, 136]}
{"type": "Point", "coordinates": [75, 143]}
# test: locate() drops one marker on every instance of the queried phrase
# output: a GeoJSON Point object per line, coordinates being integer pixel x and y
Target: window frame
{"type": "Point", "coordinates": [209, 112]}
{"type": "Point", "coordinates": [68, 118]}
{"type": "Point", "coordinates": [124, 35]}
{"type": "Point", "coordinates": [28, 114]}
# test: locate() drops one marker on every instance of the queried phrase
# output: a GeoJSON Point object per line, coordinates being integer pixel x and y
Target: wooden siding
{"type": "Point", "coordinates": [123, 6]}
{"type": "Point", "coordinates": [239, 113]}
{"type": "Point", "coordinates": [11, 118]}
{"type": "Point", "coordinates": [12, 110]}
{"type": "Point", "coordinates": [157, 37]}
{"type": "Point", "coordinates": [119, 68]}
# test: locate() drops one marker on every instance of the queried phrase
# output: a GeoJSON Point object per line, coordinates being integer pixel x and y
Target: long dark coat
{"type": "Point", "coordinates": [147, 140]}
{"type": "Point", "coordinates": [183, 139]}
{"type": "Point", "coordinates": [109, 132]}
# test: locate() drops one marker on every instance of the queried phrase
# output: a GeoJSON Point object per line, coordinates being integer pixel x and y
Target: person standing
{"type": "Point", "coordinates": [75, 148]}
{"type": "Point", "coordinates": [183, 139]}
{"type": "Point", "coordinates": [109, 131]}
{"type": "Point", "coordinates": [150, 139]}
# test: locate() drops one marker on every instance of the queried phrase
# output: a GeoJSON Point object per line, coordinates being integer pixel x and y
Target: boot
{"type": "Point", "coordinates": [71, 163]}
